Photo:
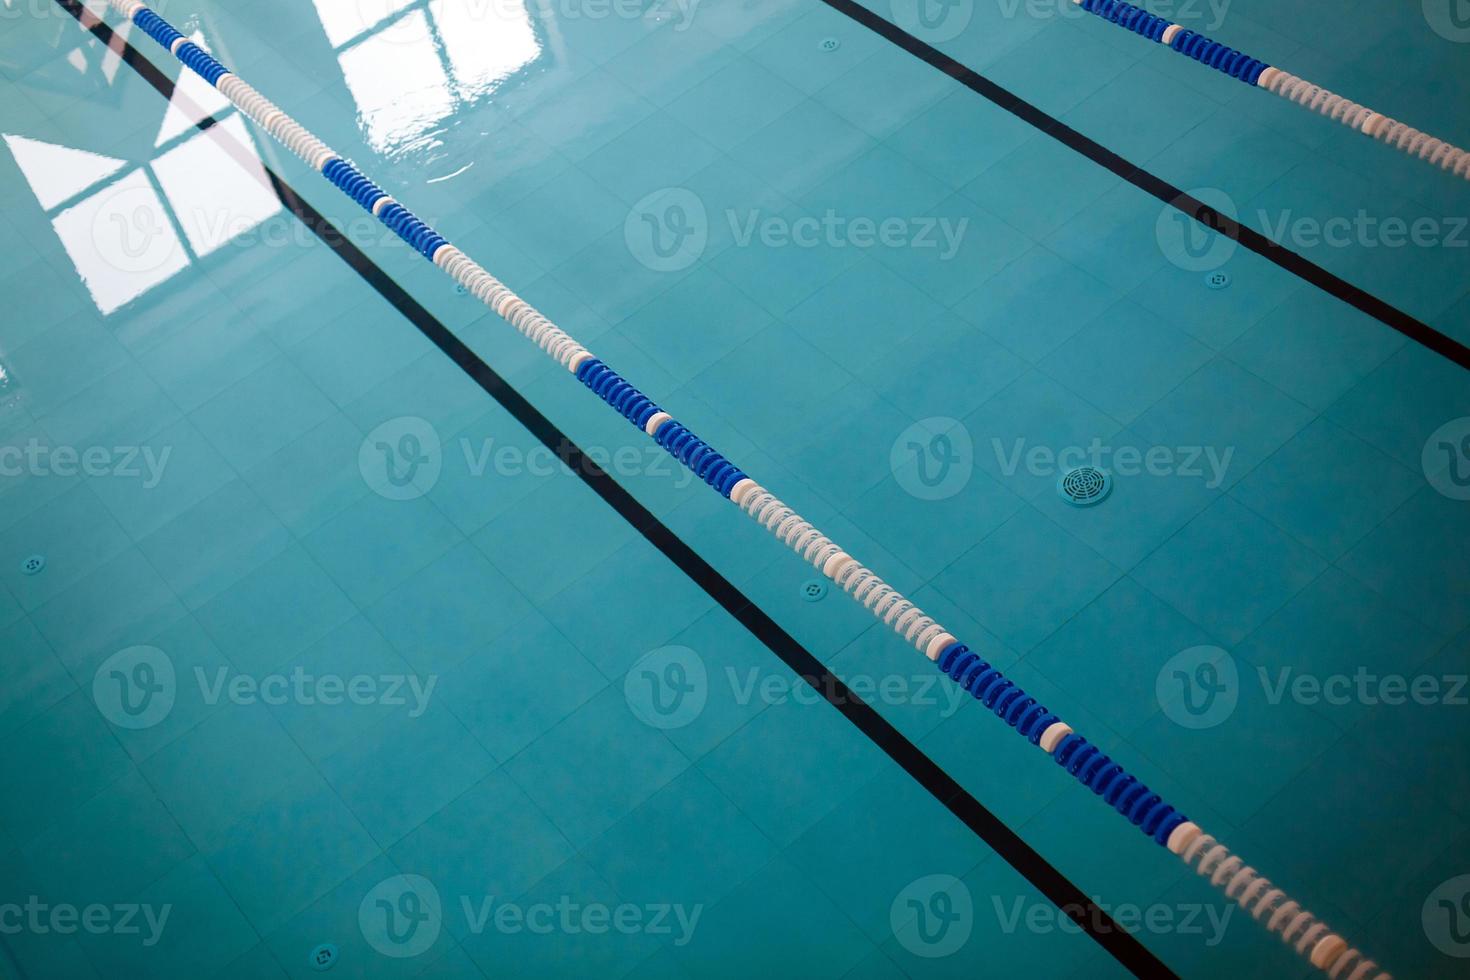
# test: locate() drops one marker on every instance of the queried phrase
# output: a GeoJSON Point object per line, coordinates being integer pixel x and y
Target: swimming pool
{"type": "Point", "coordinates": [344, 633]}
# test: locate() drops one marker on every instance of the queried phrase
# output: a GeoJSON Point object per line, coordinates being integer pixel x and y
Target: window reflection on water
{"type": "Point", "coordinates": [128, 226]}
{"type": "Point", "coordinates": [410, 64]}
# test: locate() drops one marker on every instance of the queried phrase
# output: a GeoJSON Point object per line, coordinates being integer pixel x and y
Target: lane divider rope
{"type": "Point", "coordinates": [1209, 52]}
{"type": "Point", "coordinates": [1082, 760]}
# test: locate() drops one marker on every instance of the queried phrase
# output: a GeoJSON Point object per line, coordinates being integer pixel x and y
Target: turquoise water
{"type": "Point", "coordinates": [884, 297]}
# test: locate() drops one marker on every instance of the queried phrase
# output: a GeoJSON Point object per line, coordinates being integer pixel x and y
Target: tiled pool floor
{"type": "Point", "coordinates": [199, 399]}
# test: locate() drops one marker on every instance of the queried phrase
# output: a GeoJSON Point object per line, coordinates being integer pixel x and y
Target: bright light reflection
{"type": "Point", "coordinates": [119, 232]}
{"type": "Point", "coordinates": [58, 172]}
{"type": "Point", "coordinates": [344, 20]}
{"type": "Point", "coordinates": [215, 197]}
{"type": "Point", "coordinates": [397, 73]}
{"type": "Point", "coordinates": [398, 83]}
{"type": "Point", "coordinates": [485, 42]}
{"type": "Point", "coordinates": [120, 241]}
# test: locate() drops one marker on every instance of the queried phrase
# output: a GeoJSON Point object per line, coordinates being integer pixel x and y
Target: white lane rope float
{"type": "Point", "coordinates": [1252, 71]}
{"type": "Point", "coordinates": [1267, 903]}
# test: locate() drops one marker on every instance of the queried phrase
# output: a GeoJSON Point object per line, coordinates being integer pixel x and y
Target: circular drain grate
{"type": "Point", "coordinates": [33, 565]}
{"type": "Point", "coordinates": [1084, 486]}
{"type": "Point", "coordinates": [828, 44]}
{"type": "Point", "coordinates": [1218, 279]}
{"type": "Point", "coordinates": [813, 590]}
{"type": "Point", "coordinates": [323, 957]}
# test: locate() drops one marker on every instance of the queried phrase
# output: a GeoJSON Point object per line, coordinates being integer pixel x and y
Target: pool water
{"type": "Point", "coordinates": [316, 657]}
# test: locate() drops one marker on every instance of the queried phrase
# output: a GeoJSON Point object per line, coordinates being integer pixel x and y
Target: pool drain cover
{"type": "Point", "coordinates": [813, 590]}
{"type": "Point", "coordinates": [33, 565]}
{"type": "Point", "coordinates": [1218, 279]}
{"type": "Point", "coordinates": [1084, 486]}
{"type": "Point", "coordinates": [323, 957]}
{"type": "Point", "coordinates": [828, 44]}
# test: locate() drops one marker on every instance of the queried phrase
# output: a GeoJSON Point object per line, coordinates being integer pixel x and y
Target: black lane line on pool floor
{"type": "Point", "coordinates": [1300, 266]}
{"type": "Point", "coordinates": [996, 834]}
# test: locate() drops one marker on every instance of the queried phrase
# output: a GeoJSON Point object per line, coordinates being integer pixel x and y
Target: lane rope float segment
{"type": "Point", "coordinates": [1146, 810]}
{"type": "Point", "coordinates": [1257, 73]}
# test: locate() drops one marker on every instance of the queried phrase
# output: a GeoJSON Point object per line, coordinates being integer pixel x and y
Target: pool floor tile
{"type": "Point", "coordinates": [1026, 579]}
{"type": "Point", "coordinates": [1327, 488]}
{"type": "Point", "coordinates": [1229, 414]}
{"type": "Point", "coordinates": [567, 771]}
{"type": "Point", "coordinates": [691, 811]}
{"type": "Point", "coordinates": [1409, 559]}
{"type": "Point", "coordinates": [1118, 644]}
{"type": "Point", "coordinates": [32, 678]}
{"type": "Point", "coordinates": [1125, 361]}
{"type": "Point", "coordinates": [444, 612]}
{"type": "Point", "coordinates": [205, 931]}
{"type": "Point", "coordinates": [865, 890]}
{"type": "Point", "coordinates": [489, 843]}
{"type": "Point", "coordinates": [275, 612]}
{"type": "Point", "coordinates": [822, 767]}
{"type": "Point", "coordinates": [269, 883]}
{"type": "Point", "coordinates": [498, 694]}
{"type": "Point", "coordinates": [60, 759]}
{"type": "Point", "coordinates": [1228, 570]}
{"type": "Point", "coordinates": [802, 931]}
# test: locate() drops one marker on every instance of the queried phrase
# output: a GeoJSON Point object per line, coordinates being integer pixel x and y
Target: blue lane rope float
{"type": "Point", "coordinates": [1257, 73]}
{"type": "Point", "coordinates": [1075, 754]}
